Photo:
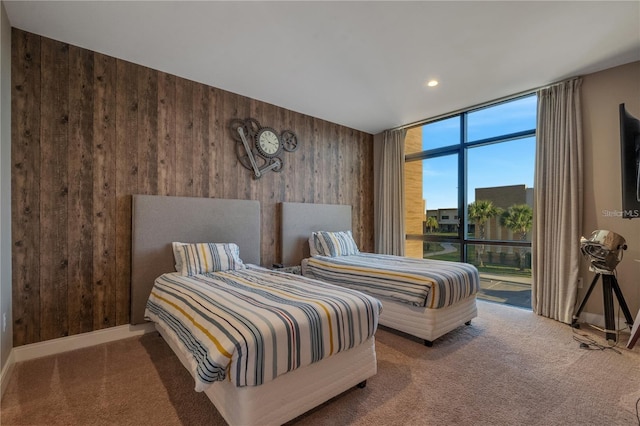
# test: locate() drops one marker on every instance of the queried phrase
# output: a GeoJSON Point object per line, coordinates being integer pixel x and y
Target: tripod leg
{"type": "Point", "coordinates": [584, 301]}
{"type": "Point", "coordinates": [621, 301]}
{"type": "Point", "coordinates": [609, 318]}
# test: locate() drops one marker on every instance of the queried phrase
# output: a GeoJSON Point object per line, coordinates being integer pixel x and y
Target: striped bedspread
{"type": "Point", "coordinates": [418, 282]}
{"type": "Point", "coordinates": [252, 325]}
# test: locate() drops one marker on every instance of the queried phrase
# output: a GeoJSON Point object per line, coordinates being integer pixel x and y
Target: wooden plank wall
{"type": "Point", "coordinates": [89, 130]}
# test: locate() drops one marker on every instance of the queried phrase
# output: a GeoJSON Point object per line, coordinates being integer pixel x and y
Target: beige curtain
{"type": "Point", "coordinates": [389, 199]}
{"type": "Point", "coordinates": [558, 201]}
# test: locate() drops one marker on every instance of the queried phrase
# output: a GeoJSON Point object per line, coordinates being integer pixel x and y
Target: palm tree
{"type": "Point", "coordinates": [431, 223]}
{"type": "Point", "coordinates": [519, 219]}
{"type": "Point", "coordinates": [480, 211]}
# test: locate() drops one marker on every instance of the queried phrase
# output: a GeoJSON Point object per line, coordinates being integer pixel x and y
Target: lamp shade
{"type": "Point", "coordinates": [604, 248]}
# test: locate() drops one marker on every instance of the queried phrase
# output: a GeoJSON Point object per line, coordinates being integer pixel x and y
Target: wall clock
{"type": "Point", "coordinates": [268, 142]}
{"type": "Point", "coordinates": [259, 148]}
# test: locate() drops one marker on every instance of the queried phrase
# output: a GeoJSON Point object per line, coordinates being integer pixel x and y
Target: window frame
{"type": "Point", "coordinates": [461, 149]}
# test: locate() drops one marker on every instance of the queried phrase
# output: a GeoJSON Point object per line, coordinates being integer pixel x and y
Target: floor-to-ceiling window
{"type": "Point", "coordinates": [469, 194]}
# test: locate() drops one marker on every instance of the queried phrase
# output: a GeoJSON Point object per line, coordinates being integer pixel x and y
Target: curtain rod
{"type": "Point", "coordinates": [477, 106]}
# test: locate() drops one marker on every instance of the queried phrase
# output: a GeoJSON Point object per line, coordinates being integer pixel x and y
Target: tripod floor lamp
{"type": "Point", "coordinates": [604, 251]}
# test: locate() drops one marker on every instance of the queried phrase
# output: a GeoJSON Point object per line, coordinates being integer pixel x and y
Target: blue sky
{"type": "Point", "coordinates": [510, 163]}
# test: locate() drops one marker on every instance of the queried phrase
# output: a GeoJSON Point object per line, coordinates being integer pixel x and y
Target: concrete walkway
{"type": "Point", "coordinates": [514, 291]}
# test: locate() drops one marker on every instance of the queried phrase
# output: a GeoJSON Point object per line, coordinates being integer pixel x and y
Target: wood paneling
{"type": "Point", "coordinates": [166, 134]}
{"type": "Point", "coordinates": [126, 177]}
{"type": "Point", "coordinates": [25, 186]}
{"type": "Point", "coordinates": [89, 130]}
{"type": "Point", "coordinates": [80, 175]}
{"type": "Point", "coordinates": [104, 193]}
{"type": "Point", "coordinates": [54, 189]}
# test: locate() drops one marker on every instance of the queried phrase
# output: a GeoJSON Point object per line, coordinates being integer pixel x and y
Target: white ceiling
{"type": "Point", "coordinates": [362, 64]}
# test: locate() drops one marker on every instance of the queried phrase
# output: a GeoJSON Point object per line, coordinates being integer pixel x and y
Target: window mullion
{"type": "Point", "coordinates": [462, 188]}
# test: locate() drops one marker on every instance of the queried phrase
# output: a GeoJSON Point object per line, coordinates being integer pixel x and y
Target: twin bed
{"type": "Point", "coordinates": [424, 298]}
{"type": "Point", "coordinates": [266, 346]}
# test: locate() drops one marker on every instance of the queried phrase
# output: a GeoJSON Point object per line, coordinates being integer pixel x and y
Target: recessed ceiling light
{"type": "Point", "coordinates": [432, 83]}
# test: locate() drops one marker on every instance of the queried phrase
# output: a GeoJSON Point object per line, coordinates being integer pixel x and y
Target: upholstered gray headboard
{"type": "Point", "coordinates": [157, 221]}
{"type": "Point", "coordinates": [299, 220]}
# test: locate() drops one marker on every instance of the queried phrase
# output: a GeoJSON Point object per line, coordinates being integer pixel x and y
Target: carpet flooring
{"type": "Point", "coordinates": [510, 367]}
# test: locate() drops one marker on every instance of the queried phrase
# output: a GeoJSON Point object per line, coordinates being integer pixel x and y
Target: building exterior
{"type": "Point", "coordinates": [503, 197]}
{"type": "Point", "coordinates": [415, 204]}
{"type": "Point", "coordinates": [448, 219]}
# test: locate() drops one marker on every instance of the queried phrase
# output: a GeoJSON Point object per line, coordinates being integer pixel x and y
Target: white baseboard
{"type": "Point", "coordinates": [78, 341]}
{"type": "Point", "coordinates": [5, 375]}
{"type": "Point", "coordinates": [598, 321]}
{"type": "Point", "coordinates": [69, 343]}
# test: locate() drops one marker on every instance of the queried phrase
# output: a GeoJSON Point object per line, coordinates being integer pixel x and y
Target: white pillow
{"type": "Point", "coordinates": [313, 247]}
{"type": "Point", "coordinates": [335, 243]}
{"type": "Point", "coordinates": [176, 255]}
{"type": "Point", "coordinates": [200, 258]}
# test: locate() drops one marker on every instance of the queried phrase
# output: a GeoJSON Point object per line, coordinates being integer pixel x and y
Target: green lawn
{"type": "Point", "coordinates": [490, 267]}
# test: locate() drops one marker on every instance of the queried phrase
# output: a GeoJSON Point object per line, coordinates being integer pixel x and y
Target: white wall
{"type": "Point", "coordinates": [6, 340]}
{"type": "Point", "coordinates": [602, 93]}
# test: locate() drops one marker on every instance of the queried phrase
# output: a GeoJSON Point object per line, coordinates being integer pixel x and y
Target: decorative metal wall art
{"type": "Point", "coordinates": [258, 148]}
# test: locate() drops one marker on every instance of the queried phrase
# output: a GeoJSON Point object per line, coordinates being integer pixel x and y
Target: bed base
{"type": "Point", "coordinates": [424, 323]}
{"type": "Point", "coordinates": [292, 394]}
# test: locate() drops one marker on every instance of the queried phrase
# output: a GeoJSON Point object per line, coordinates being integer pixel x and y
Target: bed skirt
{"type": "Point", "coordinates": [294, 393]}
{"type": "Point", "coordinates": [425, 323]}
